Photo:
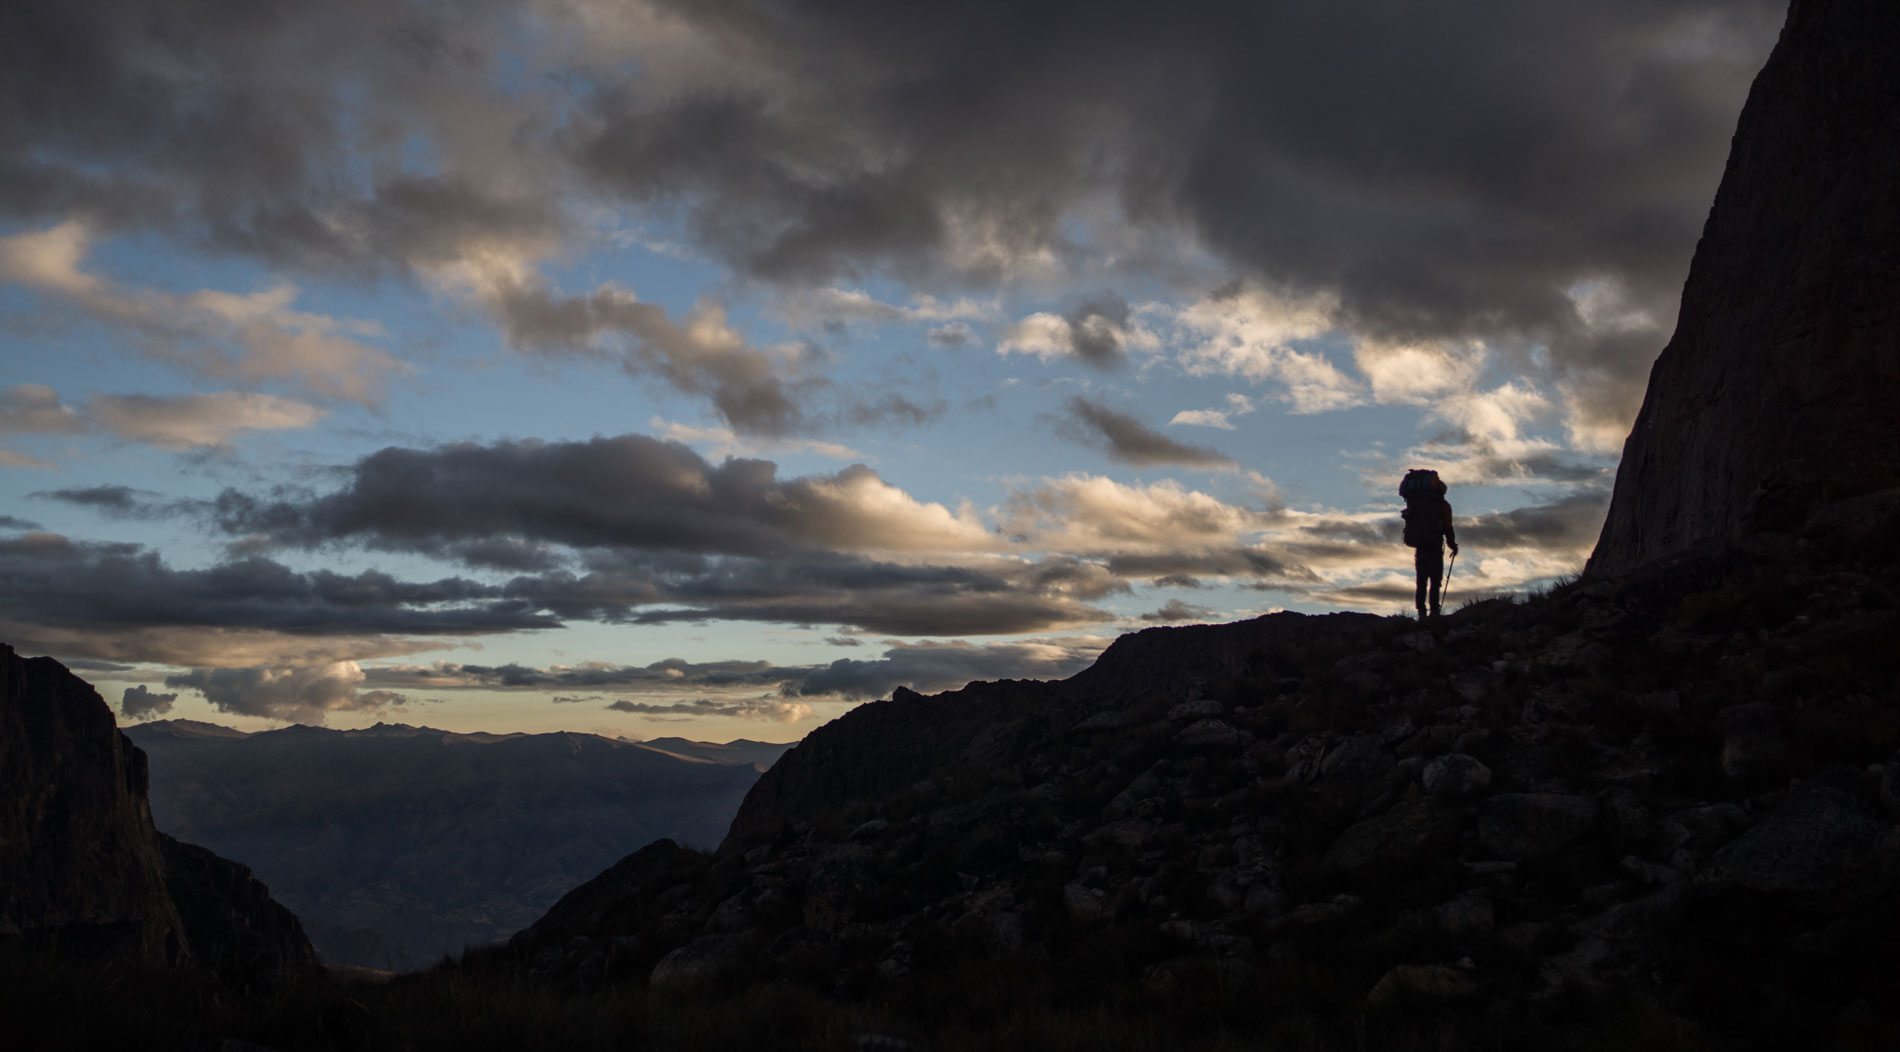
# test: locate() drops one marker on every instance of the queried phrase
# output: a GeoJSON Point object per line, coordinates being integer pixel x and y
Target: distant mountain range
{"type": "Point", "coordinates": [398, 844]}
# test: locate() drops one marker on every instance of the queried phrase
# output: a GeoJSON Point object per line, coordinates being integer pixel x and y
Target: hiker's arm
{"type": "Point", "coordinates": [1451, 532]}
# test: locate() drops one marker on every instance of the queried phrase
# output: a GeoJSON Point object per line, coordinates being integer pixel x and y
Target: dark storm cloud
{"type": "Point", "coordinates": [643, 531]}
{"type": "Point", "coordinates": [1449, 172]}
{"type": "Point", "coordinates": [673, 673]}
{"type": "Point", "coordinates": [48, 581]}
{"type": "Point", "coordinates": [628, 491]}
{"type": "Point", "coordinates": [1220, 562]}
{"type": "Point", "coordinates": [751, 709]}
{"type": "Point", "coordinates": [1458, 171]}
{"type": "Point", "coordinates": [931, 667]}
{"type": "Point", "coordinates": [1571, 522]}
{"type": "Point", "coordinates": [997, 598]}
{"type": "Point", "coordinates": [927, 667]}
{"type": "Point", "coordinates": [1096, 327]}
{"type": "Point", "coordinates": [1129, 441]}
{"type": "Point", "coordinates": [246, 126]}
{"type": "Point", "coordinates": [118, 502]}
{"type": "Point", "coordinates": [1175, 611]}
{"type": "Point", "coordinates": [140, 703]}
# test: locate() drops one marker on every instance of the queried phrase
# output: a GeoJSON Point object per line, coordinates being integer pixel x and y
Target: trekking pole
{"type": "Point", "coordinates": [1444, 591]}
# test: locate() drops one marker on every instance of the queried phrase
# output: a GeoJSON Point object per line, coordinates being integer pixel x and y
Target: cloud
{"type": "Point", "coordinates": [1460, 190]}
{"type": "Point", "coordinates": [257, 336]}
{"type": "Point", "coordinates": [1096, 514]}
{"type": "Point", "coordinates": [624, 492]}
{"type": "Point", "coordinates": [299, 694]}
{"type": "Point", "coordinates": [668, 674]}
{"type": "Point", "coordinates": [11, 522]}
{"type": "Point", "coordinates": [701, 354]}
{"type": "Point", "coordinates": [925, 666]}
{"type": "Point", "coordinates": [725, 442]}
{"type": "Point", "coordinates": [832, 305]}
{"type": "Point", "coordinates": [769, 709]}
{"type": "Point", "coordinates": [123, 602]}
{"type": "Point", "coordinates": [1174, 611]}
{"type": "Point", "coordinates": [1097, 331]}
{"type": "Point", "coordinates": [10, 459]}
{"type": "Point", "coordinates": [176, 422]}
{"type": "Point", "coordinates": [198, 420]}
{"type": "Point", "coordinates": [1248, 332]}
{"type": "Point", "coordinates": [955, 334]}
{"type": "Point", "coordinates": [1220, 419]}
{"type": "Point", "coordinates": [1457, 192]}
{"type": "Point", "coordinates": [36, 409]}
{"type": "Point", "coordinates": [139, 703]}
{"type": "Point", "coordinates": [118, 502]}
{"type": "Point", "coordinates": [1126, 439]}
{"type": "Point", "coordinates": [948, 665]}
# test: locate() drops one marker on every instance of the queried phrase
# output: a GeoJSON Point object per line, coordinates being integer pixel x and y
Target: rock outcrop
{"type": "Point", "coordinates": [80, 865]}
{"type": "Point", "coordinates": [1779, 394]}
{"type": "Point", "coordinates": [83, 873]}
{"type": "Point", "coordinates": [1549, 802]}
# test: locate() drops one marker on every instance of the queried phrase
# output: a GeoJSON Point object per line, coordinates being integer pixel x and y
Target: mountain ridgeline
{"type": "Point", "coordinates": [396, 845]}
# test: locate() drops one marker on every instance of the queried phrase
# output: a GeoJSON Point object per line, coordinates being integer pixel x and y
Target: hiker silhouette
{"type": "Point", "coordinates": [1428, 529]}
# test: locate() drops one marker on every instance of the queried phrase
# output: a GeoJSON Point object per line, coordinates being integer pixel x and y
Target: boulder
{"type": "Point", "coordinates": [1820, 847]}
{"type": "Point", "coordinates": [1753, 747]}
{"type": "Point", "coordinates": [1524, 827]}
{"type": "Point", "coordinates": [1200, 708]}
{"type": "Point", "coordinates": [1210, 734]}
{"type": "Point", "coordinates": [1455, 776]}
{"type": "Point", "coordinates": [1422, 982]}
{"type": "Point", "coordinates": [707, 961]}
{"type": "Point", "coordinates": [1395, 842]}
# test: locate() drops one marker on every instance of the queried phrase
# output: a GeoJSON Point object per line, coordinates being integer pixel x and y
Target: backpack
{"type": "Point", "coordinates": [1422, 490]}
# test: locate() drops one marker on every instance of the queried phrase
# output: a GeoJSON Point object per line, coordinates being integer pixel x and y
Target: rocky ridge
{"type": "Point", "coordinates": [1679, 787]}
{"type": "Point", "coordinates": [86, 877]}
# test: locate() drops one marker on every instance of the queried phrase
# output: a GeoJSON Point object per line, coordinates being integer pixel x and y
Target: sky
{"type": "Point", "coordinates": [707, 368]}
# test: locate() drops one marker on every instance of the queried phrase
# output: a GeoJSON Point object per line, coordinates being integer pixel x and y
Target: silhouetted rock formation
{"type": "Point", "coordinates": [1780, 392]}
{"type": "Point", "coordinates": [396, 845]}
{"type": "Point", "coordinates": [83, 873]}
{"type": "Point", "coordinates": [80, 865]}
{"type": "Point", "coordinates": [234, 926]}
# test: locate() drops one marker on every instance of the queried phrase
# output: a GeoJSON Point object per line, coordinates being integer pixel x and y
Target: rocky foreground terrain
{"type": "Point", "coordinates": [396, 845]}
{"type": "Point", "coordinates": [1676, 792]}
{"type": "Point", "coordinates": [1654, 808]}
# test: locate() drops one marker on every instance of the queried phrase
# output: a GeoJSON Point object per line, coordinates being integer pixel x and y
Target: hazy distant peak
{"type": "Point", "coordinates": [184, 729]}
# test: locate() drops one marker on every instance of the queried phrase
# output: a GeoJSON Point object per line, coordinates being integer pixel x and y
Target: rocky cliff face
{"type": "Point", "coordinates": [83, 873]}
{"type": "Point", "coordinates": [1780, 393]}
{"type": "Point", "coordinates": [80, 864]}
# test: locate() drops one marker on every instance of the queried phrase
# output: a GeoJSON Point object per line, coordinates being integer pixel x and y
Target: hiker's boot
{"type": "Point", "coordinates": [1434, 611]}
{"type": "Point", "coordinates": [1421, 613]}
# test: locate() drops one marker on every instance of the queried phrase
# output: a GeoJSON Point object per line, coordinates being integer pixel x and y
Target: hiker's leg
{"type": "Point", "coordinates": [1438, 582]}
{"type": "Point", "coordinates": [1418, 565]}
